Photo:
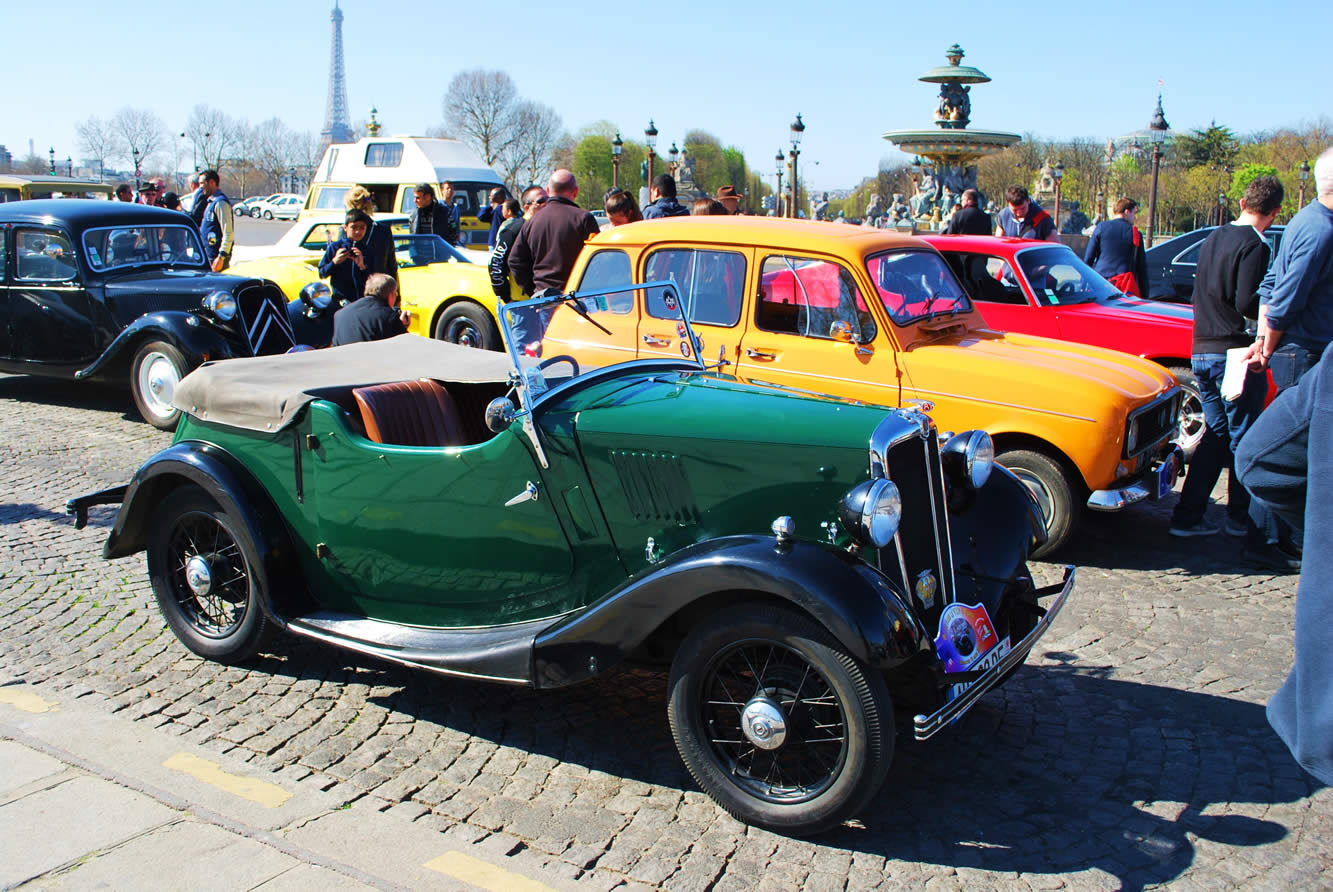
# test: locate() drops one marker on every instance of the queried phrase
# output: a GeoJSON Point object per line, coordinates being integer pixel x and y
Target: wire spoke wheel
{"type": "Point", "coordinates": [210, 579]}
{"type": "Point", "coordinates": [760, 689]}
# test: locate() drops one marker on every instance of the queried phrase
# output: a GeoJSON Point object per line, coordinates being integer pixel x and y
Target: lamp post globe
{"type": "Point", "coordinates": [1304, 175]}
{"type": "Point", "coordinates": [617, 148]}
{"type": "Point", "coordinates": [781, 161]}
{"type": "Point", "coordinates": [52, 151]}
{"type": "Point", "coordinates": [650, 136]}
{"type": "Point", "coordinates": [797, 131]}
{"type": "Point", "coordinates": [1058, 174]}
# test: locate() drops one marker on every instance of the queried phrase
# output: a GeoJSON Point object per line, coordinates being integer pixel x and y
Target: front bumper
{"type": "Point", "coordinates": [926, 726]}
{"type": "Point", "coordinates": [1144, 486]}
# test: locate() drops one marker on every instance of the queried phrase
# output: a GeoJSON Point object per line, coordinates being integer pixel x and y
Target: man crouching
{"type": "Point", "coordinates": [373, 317]}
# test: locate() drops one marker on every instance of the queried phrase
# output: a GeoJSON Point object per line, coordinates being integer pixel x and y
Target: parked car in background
{"type": "Point", "coordinates": [448, 296]}
{"type": "Point", "coordinates": [1045, 289]}
{"type": "Point", "coordinates": [117, 291]}
{"type": "Point", "coordinates": [277, 207]}
{"type": "Point", "coordinates": [814, 575]}
{"type": "Point", "coordinates": [246, 207]}
{"type": "Point", "coordinates": [1172, 263]}
{"type": "Point", "coordinates": [879, 317]}
{"type": "Point", "coordinates": [26, 187]}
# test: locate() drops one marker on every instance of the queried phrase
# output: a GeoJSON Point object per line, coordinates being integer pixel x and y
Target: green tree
{"type": "Point", "coordinates": [1241, 179]}
{"type": "Point", "coordinates": [1215, 146]}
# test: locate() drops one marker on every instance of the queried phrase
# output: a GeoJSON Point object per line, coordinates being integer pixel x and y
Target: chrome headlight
{"type": "Point", "coordinates": [968, 458]}
{"type": "Point", "coordinates": [871, 512]}
{"type": "Point", "coordinates": [1132, 437]}
{"type": "Point", "coordinates": [221, 304]}
{"type": "Point", "coordinates": [317, 295]}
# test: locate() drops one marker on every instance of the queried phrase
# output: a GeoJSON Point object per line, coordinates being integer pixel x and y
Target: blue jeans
{"type": "Point", "coordinates": [1227, 423]}
{"type": "Point", "coordinates": [1289, 362]}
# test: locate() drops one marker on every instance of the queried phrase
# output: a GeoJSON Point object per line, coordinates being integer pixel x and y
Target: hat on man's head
{"type": "Point", "coordinates": [171, 201]}
{"type": "Point", "coordinates": [149, 186]}
{"type": "Point", "coordinates": [729, 192]}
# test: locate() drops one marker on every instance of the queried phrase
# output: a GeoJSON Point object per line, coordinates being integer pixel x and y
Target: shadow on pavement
{"type": "Point", "coordinates": [93, 395]}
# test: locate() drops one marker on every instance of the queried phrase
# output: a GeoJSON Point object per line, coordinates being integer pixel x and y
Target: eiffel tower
{"type": "Point", "coordinates": [337, 125]}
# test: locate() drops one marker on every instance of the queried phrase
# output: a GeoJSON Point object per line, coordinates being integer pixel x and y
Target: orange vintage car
{"type": "Point", "coordinates": [878, 317]}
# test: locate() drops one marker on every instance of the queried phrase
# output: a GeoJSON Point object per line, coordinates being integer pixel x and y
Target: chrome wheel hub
{"type": "Point", "coordinates": [764, 723]}
{"type": "Point", "coordinates": [158, 379]}
{"type": "Point", "coordinates": [199, 575]}
{"type": "Point", "coordinates": [1045, 500]}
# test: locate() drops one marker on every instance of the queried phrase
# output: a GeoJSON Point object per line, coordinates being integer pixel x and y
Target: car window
{"type": "Point", "coordinates": [3, 236]}
{"type": "Point", "coordinates": [419, 250]}
{"type": "Point", "coordinates": [988, 279]}
{"type": "Point", "coordinates": [321, 236]}
{"type": "Point", "coordinates": [915, 284]}
{"type": "Point", "coordinates": [42, 255]}
{"type": "Point", "coordinates": [711, 283]}
{"type": "Point", "coordinates": [1190, 254]}
{"type": "Point", "coordinates": [112, 247]}
{"type": "Point", "coordinates": [1057, 276]}
{"type": "Point", "coordinates": [607, 269]}
{"type": "Point", "coordinates": [330, 198]}
{"type": "Point", "coordinates": [806, 296]}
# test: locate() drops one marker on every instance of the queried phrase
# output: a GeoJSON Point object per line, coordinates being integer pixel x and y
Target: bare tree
{"type": "Point", "coordinates": [97, 141]}
{"type": "Point", "coordinates": [479, 107]}
{"type": "Point", "coordinates": [537, 132]}
{"type": "Point", "coordinates": [213, 136]}
{"type": "Point", "coordinates": [141, 133]}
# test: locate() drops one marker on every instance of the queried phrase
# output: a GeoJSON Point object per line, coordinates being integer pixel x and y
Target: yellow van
{"type": "Point", "coordinates": [391, 166]}
{"type": "Point", "coordinates": [20, 187]}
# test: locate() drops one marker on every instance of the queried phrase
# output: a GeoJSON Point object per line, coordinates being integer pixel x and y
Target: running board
{"type": "Point", "coordinates": [491, 653]}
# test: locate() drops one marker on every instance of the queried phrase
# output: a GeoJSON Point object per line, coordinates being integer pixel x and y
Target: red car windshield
{"type": "Point", "coordinates": [916, 284]}
{"type": "Point", "coordinates": [1059, 277]}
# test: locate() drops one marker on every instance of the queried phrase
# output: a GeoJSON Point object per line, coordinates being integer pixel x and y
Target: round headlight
{"type": "Point", "coordinates": [221, 304]}
{"type": "Point", "coordinates": [968, 458]}
{"type": "Point", "coordinates": [316, 295]}
{"type": "Point", "coordinates": [871, 512]}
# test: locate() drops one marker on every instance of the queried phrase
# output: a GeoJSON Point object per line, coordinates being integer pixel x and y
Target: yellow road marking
{"type": "Point", "coordinates": [483, 874]}
{"type": "Point", "coordinates": [22, 698]}
{"type": "Point", "coordinates": [266, 794]}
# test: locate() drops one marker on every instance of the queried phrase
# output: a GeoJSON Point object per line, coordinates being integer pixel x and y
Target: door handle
{"type": "Point", "coordinates": [653, 341]}
{"type": "Point", "coordinates": [759, 354]}
{"type": "Point", "coordinates": [529, 494]}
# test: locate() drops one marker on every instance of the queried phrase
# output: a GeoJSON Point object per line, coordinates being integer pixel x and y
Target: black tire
{"type": "Point", "coordinates": [467, 323]}
{"type": "Point", "coordinates": [268, 215]}
{"type": "Point", "coordinates": [1191, 427]}
{"type": "Point", "coordinates": [838, 718]}
{"type": "Point", "coordinates": [1056, 491]}
{"type": "Point", "coordinates": [218, 616]}
{"type": "Point", "coordinates": [154, 374]}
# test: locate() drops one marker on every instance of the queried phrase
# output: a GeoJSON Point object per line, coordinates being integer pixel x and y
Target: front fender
{"type": "Point", "coordinates": [992, 535]}
{"type": "Point", "coordinates": [191, 462]}
{"type": "Point", "coordinates": [193, 335]}
{"type": "Point", "coordinates": [857, 604]}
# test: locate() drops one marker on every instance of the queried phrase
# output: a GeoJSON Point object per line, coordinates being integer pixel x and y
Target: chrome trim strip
{"type": "Point", "coordinates": [1117, 499]}
{"type": "Point", "coordinates": [299, 628]}
{"type": "Point", "coordinates": [926, 727]}
{"type": "Point", "coordinates": [935, 498]}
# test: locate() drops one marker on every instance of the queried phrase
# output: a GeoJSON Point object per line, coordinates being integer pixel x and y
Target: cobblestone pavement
{"type": "Point", "coordinates": [1132, 751]}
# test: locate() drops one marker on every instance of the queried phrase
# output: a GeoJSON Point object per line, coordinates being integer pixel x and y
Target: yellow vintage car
{"type": "Point", "coordinates": [447, 294]}
{"type": "Point", "coordinates": [874, 316]}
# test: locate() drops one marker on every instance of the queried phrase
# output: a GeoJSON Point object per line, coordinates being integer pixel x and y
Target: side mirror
{"type": "Point", "coordinates": [841, 331]}
{"type": "Point", "coordinates": [500, 413]}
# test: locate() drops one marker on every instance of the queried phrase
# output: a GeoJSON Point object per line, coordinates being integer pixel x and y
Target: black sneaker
{"type": "Point", "coordinates": [1198, 528]}
{"type": "Point", "coordinates": [1270, 557]}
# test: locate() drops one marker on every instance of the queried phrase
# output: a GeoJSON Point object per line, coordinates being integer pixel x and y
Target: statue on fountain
{"type": "Point", "coordinates": [900, 210]}
{"type": "Point", "coordinates": [955, 108]}
{"type": "Point", "coordinates": [1076, 222]}
{"type": "Point", "coordinates": [875, 209]}
{"type": "Point", "coordinates": [819, 207]}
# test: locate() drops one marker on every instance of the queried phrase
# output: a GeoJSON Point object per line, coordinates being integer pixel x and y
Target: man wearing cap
{"type": "Point", "coordinates": [730, 198]}
{"type": "Point", "coordinates": [148, 195]}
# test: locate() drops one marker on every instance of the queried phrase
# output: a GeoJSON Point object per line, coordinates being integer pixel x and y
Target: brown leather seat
{"type": "Point", "coordinates": [410, 413]}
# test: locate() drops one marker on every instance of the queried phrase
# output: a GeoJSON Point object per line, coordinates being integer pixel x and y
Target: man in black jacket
{"type": "Point", "coordinates": [1232, 263]}
{"type": "Point", "coordinates": [969, 219]}
{"type": "Point", "coordinates": [664, 203]}
{"type": "Point", "coordinates": [548, 245]}
{"type": "Point", "coordinates": [430, 217]}
{"type": "Point", "coordinates": [512, 214]}
{"type": "Point", "coordinates": [373, 317]}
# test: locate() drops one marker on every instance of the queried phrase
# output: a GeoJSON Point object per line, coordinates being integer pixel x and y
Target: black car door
{"type": "Point", "coordinates": [4, 292]}
{"type": "Point", "coordinates": [50, 317]}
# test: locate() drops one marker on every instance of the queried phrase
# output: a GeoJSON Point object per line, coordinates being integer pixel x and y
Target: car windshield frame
{"type": "Point", "coordinates": [958, 303]}
{"type": "Point", "coordinates": [1028, 261]}
{"type": "Point", "coordinates": [98, 263]}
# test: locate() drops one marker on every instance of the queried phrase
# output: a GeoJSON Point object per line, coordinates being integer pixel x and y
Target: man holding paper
{"type": "Point", "coordinates": [1232, 264]}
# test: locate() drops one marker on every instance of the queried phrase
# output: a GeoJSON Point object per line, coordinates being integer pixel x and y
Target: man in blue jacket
{"type": "Point", "coordinates": [1116, 250]}
{"type": "Point", "coordinates": [664, 202]}
{"type": "Point", "coordinates": [349, 262]}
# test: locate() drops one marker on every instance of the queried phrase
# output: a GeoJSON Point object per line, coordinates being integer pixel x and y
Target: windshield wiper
{"type": "Point", "coordinates": [577, 305]}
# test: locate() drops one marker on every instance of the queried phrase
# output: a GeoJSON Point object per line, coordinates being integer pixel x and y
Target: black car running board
{"type": "Point", "coordinates": [490, 653]}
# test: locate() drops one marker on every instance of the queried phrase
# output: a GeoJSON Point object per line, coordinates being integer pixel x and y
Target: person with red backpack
{"type": "Point", "coordinates": [1116, 250]}
{"type": "Point", "coordinates": [1024, 218]}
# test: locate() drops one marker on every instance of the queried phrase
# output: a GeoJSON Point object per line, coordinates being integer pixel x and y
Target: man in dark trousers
{"type": "Point", "coordinates": [664, 204]}
{"type": "Point", "coordinates": [1232, 263]}
{"type": "Point", "coordinates": [373, 317]}
{"type": "Point", "coordinates": [1116, 250]}
{"type": "Point", "coordinates": [969, 219]}
{"type": "Point", "coordinates": [1287, 454]}
{"type": "Point", "coordinates": [548, 245]}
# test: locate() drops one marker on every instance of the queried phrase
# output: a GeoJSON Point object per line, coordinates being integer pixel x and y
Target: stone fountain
{"type": "Point", "coordinates": [947, 155]}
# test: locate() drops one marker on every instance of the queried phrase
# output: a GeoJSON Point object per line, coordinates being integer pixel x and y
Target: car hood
{"type": "Point", "coordinates": [168, 282]}
{"type": "Point", "coordinates": [1183, 313]}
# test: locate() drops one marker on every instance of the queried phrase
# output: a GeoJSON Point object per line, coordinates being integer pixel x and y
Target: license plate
{"type": "Point", "coordinates": [1166, 476]}
{"type": "Point", "coordinates": [992, 657]}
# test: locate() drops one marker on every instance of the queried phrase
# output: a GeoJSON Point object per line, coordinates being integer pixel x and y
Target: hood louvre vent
{"type": "Point", "coordinates": [656, 488]}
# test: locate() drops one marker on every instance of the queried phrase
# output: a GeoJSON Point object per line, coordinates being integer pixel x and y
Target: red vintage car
{"type": "Point", "coordinates": [1046, 289]}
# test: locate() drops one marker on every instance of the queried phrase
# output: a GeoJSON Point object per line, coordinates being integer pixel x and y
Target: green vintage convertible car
{"type": "Point", "coordinates": [814, 574]}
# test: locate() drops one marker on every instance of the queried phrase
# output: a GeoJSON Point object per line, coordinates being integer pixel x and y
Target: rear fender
{"type": "Point", "coordinates": [227, 483]}
{"type": "Point", "coordinates": [856, 603]}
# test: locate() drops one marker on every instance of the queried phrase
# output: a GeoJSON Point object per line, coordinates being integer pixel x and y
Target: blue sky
{"type": "Point", "coordinates": [740, 70]}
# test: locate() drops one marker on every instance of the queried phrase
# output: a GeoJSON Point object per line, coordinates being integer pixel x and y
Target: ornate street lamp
{"type": "Point", "coordinates": [1221, 208]}
{"type": "Point", "coordinates": [1305, 175]}
{"type": "Point", "coordinates": [69, 166]}
{"type": "Point", "coordinates": [797, 130]}
{"type": "Point", "coordinates": [135, 153]}
{"type": "Point", "coordinates": [617, 147]}
{"type": "Point", "coordinates": [674, 154]}
{"type": "Point", "coordinates": [1058, 174]}
{"type": "Point", "coordinates": [1157, 128]}
{"type": "Point", "coordinates": [52, 150]}
{"type": "Point", "coordinates": [781, 161]}
{"type": "Point", "coordinates": [650, 136]}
